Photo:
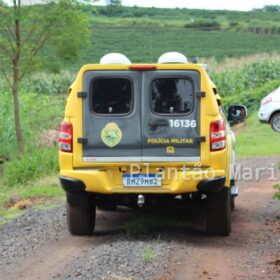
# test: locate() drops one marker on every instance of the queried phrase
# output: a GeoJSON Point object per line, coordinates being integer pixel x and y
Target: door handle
{"type": "Point", "coordinates": [157, 123]}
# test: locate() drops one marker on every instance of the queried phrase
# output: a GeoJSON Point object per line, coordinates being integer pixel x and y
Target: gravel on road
{"type": "Point", "coordinates": [37, 245]}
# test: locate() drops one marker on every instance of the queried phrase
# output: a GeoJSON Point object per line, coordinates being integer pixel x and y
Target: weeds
{"type": "Point", "coordinates": [148, 254]}
{"type": "Point", "coordinates": [30, 166]}
{"type": "Point", "coordinates": [277, 195]}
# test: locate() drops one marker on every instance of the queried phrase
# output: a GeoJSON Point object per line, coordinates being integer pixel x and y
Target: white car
{"type": "Point", "coordinates": [269, 111]}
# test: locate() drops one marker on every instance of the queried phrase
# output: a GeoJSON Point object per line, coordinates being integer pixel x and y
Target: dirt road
{"type": "Point", "coordinates": [38, 246]}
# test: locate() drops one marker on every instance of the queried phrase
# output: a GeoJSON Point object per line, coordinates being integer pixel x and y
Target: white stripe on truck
{"type": "Point", "coordinates": [141, 159]}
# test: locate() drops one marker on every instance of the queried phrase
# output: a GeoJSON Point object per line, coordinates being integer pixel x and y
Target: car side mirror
{"type": "Point", "coordinates": [237, 113]}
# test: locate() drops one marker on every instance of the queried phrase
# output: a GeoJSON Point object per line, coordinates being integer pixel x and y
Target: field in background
{"type": "Point", "coordinates": [143, 34]}
{"type": "Point", "coordinates": [146, 44]}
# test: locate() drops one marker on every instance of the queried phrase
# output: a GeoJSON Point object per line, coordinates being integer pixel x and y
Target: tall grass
{"type": "Point", "coordinates": [39, 113]}
{"type": "Point", "coordinates": [50, 84]}
{"type": "Point", "coordinates": [30, 166]}
{"type": "Point", "coordinates": [247, 83]}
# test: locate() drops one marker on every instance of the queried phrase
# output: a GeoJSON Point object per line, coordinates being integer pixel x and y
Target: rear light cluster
{"type": "Point", "coordinates": [217, 135]}
{"type": "Point", "coordinates": [66, 137]}
{"type": "Point", "coordinates": [267, 100]}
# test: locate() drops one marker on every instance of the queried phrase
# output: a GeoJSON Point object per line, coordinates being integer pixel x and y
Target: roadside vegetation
{"type": "Point", "coordinates": [245, 66]}
{"type": "Point", "coordinates": [277, 188]}
{"type": "Point", "coordinates": [251, 138]}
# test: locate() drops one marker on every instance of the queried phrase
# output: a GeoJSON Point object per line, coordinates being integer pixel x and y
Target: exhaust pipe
{"type": "Point", "coordinates": [140, 200]}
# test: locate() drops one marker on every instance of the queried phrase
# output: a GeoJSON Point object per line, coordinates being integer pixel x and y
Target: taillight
{"type": "Point", "coordinates": [267, 100]}
{"type": "Point", "coordinates": [217, 135]}
{"type": "Point", "coordinates": [66, 137]}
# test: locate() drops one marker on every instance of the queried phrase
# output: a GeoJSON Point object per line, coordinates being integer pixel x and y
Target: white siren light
{"type": "Point", "coordinates": [172, 57]}
{"type": "Point", "coordinates": [114, 58]}
{"type": "Point", "coordinates": [205, 66]}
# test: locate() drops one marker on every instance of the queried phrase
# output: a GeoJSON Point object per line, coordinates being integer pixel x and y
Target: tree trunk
{"type": "Point", "coordinates": [16, 76]}
{"type": "Point", "coordinates": [17, 117]}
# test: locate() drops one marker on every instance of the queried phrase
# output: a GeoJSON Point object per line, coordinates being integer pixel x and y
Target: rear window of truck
{"type": "Point", "coordinates": [111, 96]}
{"type": "Point", "coordinates": [172, 96]}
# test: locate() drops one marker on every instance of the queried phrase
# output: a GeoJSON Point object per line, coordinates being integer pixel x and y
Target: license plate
{"type": "Point", "coordinates": [142, 180]}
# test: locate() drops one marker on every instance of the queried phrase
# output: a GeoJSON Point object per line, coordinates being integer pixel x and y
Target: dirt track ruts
{"type": "Point", "coordinates": [38, 246]}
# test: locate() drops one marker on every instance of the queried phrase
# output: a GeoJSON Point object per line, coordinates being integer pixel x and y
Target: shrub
{"type": "Point", "coordinates": [30, 166]}
{"type": "Point", "coordinates": [239, 82]}
{"type": "Point", "coordinates": [277, 187]}
{"type": "Point", "coordinates": [51, 84]}
{"type": "Point", "coordinates": [252, 98]}
{"type": "Point", "coordinates": [277, 195]}
{"type": "Point", "coordinates": [39, 114]}
{"type": "Point", "coordinates": [204, 25]}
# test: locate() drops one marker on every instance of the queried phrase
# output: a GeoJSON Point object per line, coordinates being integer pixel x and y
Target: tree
{"type": "Point", "coordinates": [113, 6]}
{"type": "Point", "coordinates": [30, 36]}
{"type": "Point", "coordinates": [270, 8]}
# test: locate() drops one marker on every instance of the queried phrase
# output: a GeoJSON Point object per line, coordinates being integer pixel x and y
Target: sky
{"type": "Point", "coordinates": [240, 5]}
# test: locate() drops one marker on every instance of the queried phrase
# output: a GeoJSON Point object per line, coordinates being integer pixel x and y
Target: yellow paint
{"type": "Point", "coordinates": [110, 181]}
{"type": "Point", "coordinates": [106, 177]}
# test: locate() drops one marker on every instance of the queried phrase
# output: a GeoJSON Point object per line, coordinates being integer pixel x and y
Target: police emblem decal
{"type": "Point", "coordinates": [111, 135]}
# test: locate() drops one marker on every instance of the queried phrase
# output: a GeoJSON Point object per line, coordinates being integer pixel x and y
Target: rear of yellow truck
{"type": "Point", "coordinates": [142, 134]}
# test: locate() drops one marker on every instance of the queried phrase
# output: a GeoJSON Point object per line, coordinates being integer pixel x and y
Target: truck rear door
{"type": "Point", "coordinates": [111, 116]}
{"type": "Point", "coordinates": [171, 116]}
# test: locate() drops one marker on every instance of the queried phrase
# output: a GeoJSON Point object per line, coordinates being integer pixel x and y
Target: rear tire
{"type": "Point", "coordinates": [275, 122]}
{"type": "Point", "coordinates": [219, 213]}
{"type": "Point", "coordinates": [81, 212]}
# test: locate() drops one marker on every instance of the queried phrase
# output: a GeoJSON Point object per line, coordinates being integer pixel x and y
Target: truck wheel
{"type": "Point", "coordinates": [219, 213]}
{"type": "Point", "coordinates": [81, 212]}
{"type": "Point", "coordinates": [275, 122]}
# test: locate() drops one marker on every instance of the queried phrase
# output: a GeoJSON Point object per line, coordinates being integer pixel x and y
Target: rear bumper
{"type": "Point", "coordinates": [72, 185]}
{"type": "Point", "coordinates": [212, 185]}
{"type": "Point", "coordinates": [103, 182]}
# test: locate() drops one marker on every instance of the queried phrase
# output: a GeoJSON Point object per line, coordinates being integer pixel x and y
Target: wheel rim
{"type": "Point", "coordinates": [276, 123]}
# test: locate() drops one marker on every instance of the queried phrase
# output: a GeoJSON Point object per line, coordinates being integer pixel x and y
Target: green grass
{"type": "Point", "coordinates": [148, 254]}
{"type": "Point", "coordinates": [146, 44]}
{"type": "Point", "coordinates": [143, 34]}
{"type": "Point", "coordinates": [47, 189]}
{"type": "Point", "coordinates": [7, 215]}
{"type": "Point", "coordinates": [256, 139]}
{"type": "Point", "coordinates": [40, 113]}
{"type": "Point", "coordinates": [277, 194]}
{"type": "Point", "coordinates": [30, 166]}
{"type": "Point", "coordinates": [187, 14]}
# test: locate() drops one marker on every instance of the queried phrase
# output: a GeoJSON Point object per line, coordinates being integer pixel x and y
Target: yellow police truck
{"type": "Point", "coordinates": [138, 135]}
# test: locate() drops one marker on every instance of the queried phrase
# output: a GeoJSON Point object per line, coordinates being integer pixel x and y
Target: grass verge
{"type": "Point", "coordinates": [256, 139]}
{"type": "Point", "coordinates": [41, 193]}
